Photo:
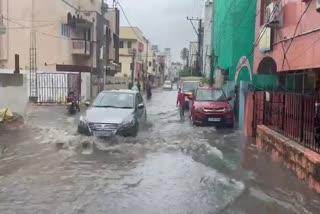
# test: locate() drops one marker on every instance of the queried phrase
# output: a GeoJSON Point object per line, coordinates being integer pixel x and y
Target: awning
{"type": "Point", "coordinates": [75, 68]}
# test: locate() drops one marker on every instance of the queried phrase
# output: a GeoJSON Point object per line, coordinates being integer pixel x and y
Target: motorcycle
{"type": "Point", "coordinates": [72, 104]}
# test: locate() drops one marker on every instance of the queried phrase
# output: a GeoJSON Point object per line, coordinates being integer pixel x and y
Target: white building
{"type": "Point", "coordinates": [207, 37]}
{"type": "Point", "coordinates": [68, 36]}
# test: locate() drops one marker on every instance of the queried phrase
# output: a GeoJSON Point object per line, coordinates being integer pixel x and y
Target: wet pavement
{"type": "Point", "coordinates": [171, 167]}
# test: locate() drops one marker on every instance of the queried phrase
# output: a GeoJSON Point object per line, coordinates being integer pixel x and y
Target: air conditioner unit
{"type": "Point", "coordinates": [318, 5]}
{"type": "Point", "coordinates": [274, 14]}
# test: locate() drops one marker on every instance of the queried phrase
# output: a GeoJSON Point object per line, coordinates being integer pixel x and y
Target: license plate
{"type": "Point", "coordinates": [102, 133]}
{"type": "Point", "coordinates": [214, 119]}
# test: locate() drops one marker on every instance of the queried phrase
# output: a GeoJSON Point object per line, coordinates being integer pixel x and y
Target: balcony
{"type": "Point", "coordinates": [80, 47]}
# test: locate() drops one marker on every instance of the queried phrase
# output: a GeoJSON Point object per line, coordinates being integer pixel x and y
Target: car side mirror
{"type": "Point", "coordinates": [229, 98]}
{"type": "Point", "coordinates": [141, 106]}
{"type": "Point", "coordinates": [87, 104]}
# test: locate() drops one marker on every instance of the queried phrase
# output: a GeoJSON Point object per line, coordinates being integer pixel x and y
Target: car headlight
{"type": "Point", "coordinates": [198, 109]}
{"type": "Point", "coordinates": [129, 122]}
{"type": "Point", "coordinates": [83, 121]}
{"type": "Point", "coordinates": [228, 109]}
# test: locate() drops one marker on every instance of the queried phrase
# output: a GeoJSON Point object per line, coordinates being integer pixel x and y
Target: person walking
{"type": "Point", "coordinates": [181, 102]}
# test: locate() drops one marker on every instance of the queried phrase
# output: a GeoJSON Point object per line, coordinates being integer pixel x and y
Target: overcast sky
{"type": "Point", "coordinates": [164, 21]}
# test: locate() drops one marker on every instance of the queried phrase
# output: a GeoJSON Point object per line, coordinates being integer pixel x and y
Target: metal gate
{"type": "Point", "coordinates": [54, 87]}
{"type": "Point", "coordinates": [258, 110]}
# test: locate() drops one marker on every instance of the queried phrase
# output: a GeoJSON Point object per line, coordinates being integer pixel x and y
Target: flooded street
{"type": "Point", "coordinates": [171, 167]}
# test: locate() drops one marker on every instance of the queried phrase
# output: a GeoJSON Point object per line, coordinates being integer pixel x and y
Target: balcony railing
{"type": "Point", "coordinates": [80, 47]}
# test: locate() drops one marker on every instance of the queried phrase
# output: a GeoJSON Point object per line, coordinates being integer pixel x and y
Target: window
{"type": "Point", "coordinates": [121, 44]}
{"type": "Point", "coordinates": [264, 15]}
{"type": "Point", "coordinates": [210, 95]}
{"type": "Point", "coordinates": [129, 44]}
{"type": "Point", "coordinates": [114, 100]}
{"type": "Point", "coordinates": [65, 30]}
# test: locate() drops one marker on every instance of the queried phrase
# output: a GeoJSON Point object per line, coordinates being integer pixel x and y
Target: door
{"type": "Point", "coordinates": [140, 107]}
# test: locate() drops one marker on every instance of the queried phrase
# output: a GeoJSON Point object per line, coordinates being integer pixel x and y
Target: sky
{"type": "Point", "coordinates": [164, 22]}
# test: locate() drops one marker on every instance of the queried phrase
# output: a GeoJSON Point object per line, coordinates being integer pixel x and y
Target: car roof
{"type": "Point", "coordinates": [191, 81]}
{"type": "Point", "coordinates": [209, 88]}
{"type": "Point", "coordinates": [128, 91]}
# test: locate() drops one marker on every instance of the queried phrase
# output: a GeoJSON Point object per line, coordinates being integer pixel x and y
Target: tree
{"type": "Point", "coordinates": [184, 55]}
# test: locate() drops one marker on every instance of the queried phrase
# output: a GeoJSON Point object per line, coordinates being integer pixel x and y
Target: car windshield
{"type": "Point", "coordinates": [167, 83]}
{"type": "Point", "coordinates": [190, 86]}
{"type": "Point", "coordinates": [210, 95]}
{"type": "Point", "coordinates": [114, 100]}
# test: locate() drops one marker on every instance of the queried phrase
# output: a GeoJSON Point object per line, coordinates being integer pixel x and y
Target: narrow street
{"type": "Point", "coordinates": [171, 167]}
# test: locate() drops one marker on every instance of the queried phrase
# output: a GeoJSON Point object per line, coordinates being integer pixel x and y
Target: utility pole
{"type": "Point", "coordinates": [33, 96]}
{"type": "Point", "coordinates": [132, 67]}
{"type": "Point", "coordinates": [146, 67]}
{"type": "Point", "coordinates": [199, 34]}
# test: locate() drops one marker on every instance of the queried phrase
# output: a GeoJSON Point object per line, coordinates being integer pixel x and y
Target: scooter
{"type": "Point", "coordinates": [72, 105]}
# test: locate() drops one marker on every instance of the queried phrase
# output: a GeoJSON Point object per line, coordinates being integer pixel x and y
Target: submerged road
{"type": "Point", "coordinates": [171, 167]}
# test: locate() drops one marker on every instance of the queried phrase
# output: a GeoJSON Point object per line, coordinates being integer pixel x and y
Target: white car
{"type": "Point", "coordinates": [167, 85]}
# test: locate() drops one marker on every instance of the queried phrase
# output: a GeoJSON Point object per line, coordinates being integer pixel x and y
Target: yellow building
{"type": "Point", "coordinates": [132, 43]}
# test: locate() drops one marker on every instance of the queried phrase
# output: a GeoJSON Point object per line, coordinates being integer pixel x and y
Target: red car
{"type": "Point", "coordinates": [211, 106]}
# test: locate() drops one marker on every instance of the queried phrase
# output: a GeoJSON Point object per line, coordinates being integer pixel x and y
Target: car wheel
{"type": "Point", "coordinates": [135, 131]}
{"type": "Point", "coordinates": [83, 131]}
{"type": "Point", "coordinates": [230, 126]}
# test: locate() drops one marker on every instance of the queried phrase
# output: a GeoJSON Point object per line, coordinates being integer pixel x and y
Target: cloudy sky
{"type": "Point", "coordinates": [164, 21]}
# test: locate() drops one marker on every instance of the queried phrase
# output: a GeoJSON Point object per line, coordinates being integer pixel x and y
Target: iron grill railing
{"type": "Point", "coordinates": [293, 115]}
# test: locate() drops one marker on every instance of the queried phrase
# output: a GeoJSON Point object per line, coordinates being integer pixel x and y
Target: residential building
{"type": "Point", "coordinates": [207, 37]}
{"type": "Point", "coordinates": [132, 50]}
{"type": "Point", "coordinates": [174, 70]}
{"type": "Point", "coordinates": [287, 34]}
{"type": "Point", "coordinates": [68, 36]}
{"type": "Point", "coordinates": [291, 46]}
{"type": "Point", "coordinates": [193, 55]}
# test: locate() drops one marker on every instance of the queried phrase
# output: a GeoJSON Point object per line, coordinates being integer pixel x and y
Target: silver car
{"type": "Point", "coordinates": [167, 85]}
{"type": "Point", "coordinates": [116, 112]}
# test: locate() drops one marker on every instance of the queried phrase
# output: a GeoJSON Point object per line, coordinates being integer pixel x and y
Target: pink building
{"type": "Point", "coordinates": [288, 40]}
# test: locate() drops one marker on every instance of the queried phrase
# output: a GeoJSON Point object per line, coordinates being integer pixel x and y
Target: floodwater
{"type": "Point", "coordinates": [171, 167]}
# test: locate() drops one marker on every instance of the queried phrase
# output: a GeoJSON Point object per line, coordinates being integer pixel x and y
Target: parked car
{"type": "Point", "coordinates": [211, 106]}
{"type": "Point", "coordinates": [116, 112]}
{"type": "Point", "coordinates": [188, 88]}
{"type": "Point", "coordinates": [167, 85]}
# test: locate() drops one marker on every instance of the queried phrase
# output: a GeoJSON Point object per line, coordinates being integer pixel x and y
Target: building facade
{"type": "Point", "coordinates": [132, 50]}
{"type": "Point", "coordinates": [65, 36]}
{"type": "Point", "coordinates": [289, 44]}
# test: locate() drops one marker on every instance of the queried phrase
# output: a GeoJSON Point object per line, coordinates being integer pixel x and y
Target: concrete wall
{"type": "Point", "coordinates": [14, 92]}
{"type": "Point", "coordinates": [300, 160]}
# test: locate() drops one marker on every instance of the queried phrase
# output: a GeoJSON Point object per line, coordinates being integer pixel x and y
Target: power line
{"type": "Point", "coordinates": [47, 34]}
{"type": "Point", "coordinates": [264, 29]}
{"type": "Point", "coordinates": [191, 21]}
{"type": "Point", "coordinates": [295, 31]}
{"type": "Point", "coordinates": [312, 44]}
{"type": "Point", "coordinates": [29, 27]}
{"type": "Point", "coordinates": [128, 21]}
